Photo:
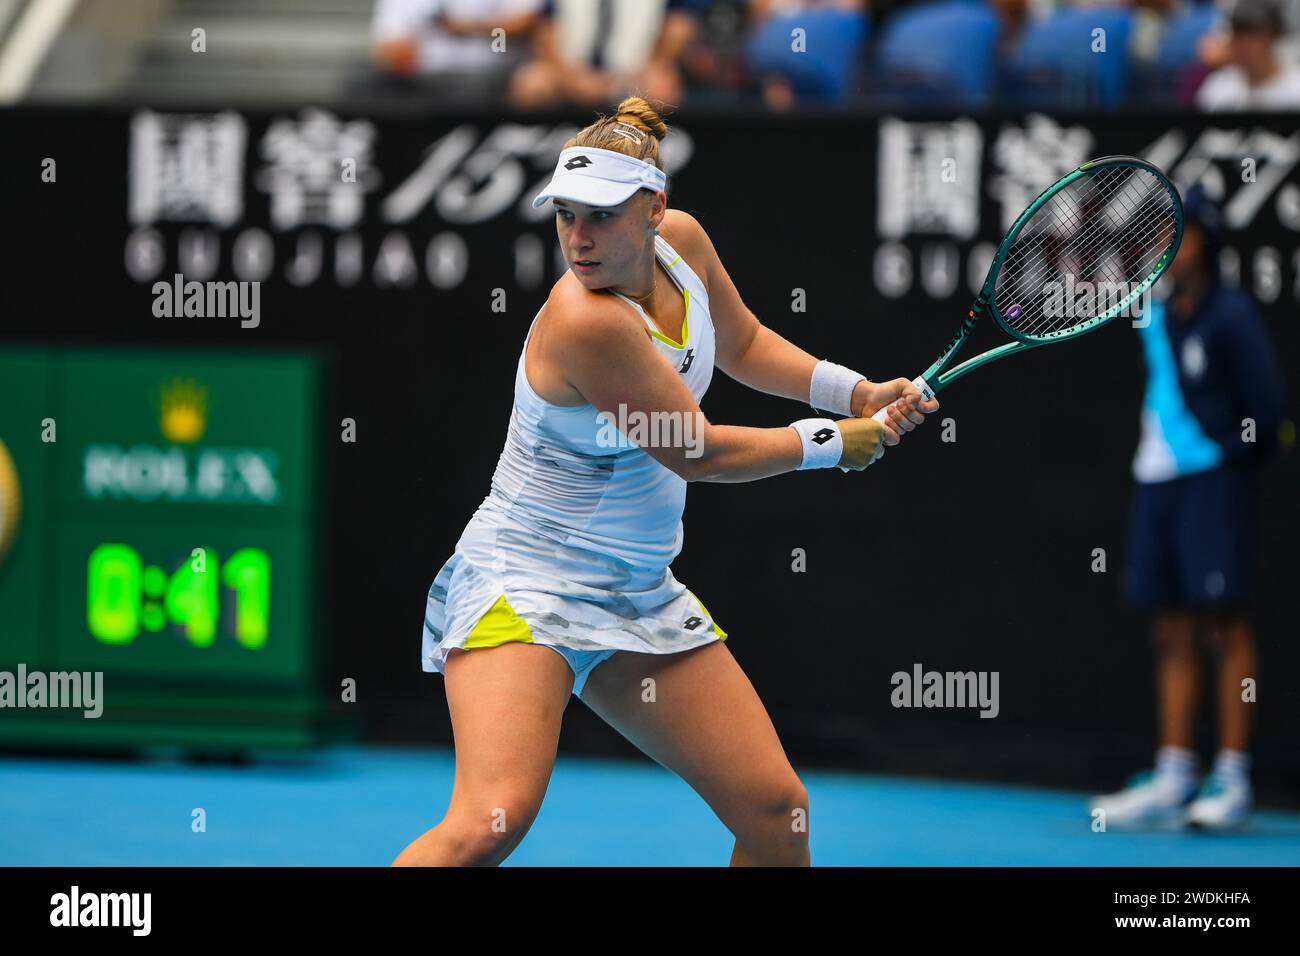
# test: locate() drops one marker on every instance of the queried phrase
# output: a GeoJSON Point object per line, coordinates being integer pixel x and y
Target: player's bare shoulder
{"type": "Point", "coordinates": [572, 304]}
{"type": "Point", "coordinates": [577, 321]}
{"type": "Point", "coordinates": [685, 234]}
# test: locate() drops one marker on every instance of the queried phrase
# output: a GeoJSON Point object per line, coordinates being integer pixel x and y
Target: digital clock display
{"type": "Point", "coordinates": [155, 598]}
{"type": "Point", "coordinates": [123, 596]}
{"type": "Point", "coordinates": [165, 534]}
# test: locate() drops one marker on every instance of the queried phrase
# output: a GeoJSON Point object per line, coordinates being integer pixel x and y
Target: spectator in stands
{"type": "Point", "coordinates": [451, 44]}
{"type": "Point", "coordinates": [714, 59]}
{"type": "Point", "coordinates": [1014, 16]}
{"type": "Point", "coordinates": [591, 52]}
{"type": "Point", "coordinates": [1150, 18]}
{"type": "Point", "coordinates": [1254, 77]}
{"type": "Point", "coordinates": [1214, 49]}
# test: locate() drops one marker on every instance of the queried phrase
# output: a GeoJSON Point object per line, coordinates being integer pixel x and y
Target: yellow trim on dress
{"type": "Point", "coordinates": [500, 625]}
{"type": "Point", "coordinates": [721, 633]}
{"type": "Point", "coordinates": [686, 323]}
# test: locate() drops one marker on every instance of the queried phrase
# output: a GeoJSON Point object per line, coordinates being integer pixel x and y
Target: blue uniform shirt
{"type": "Point", "coordinates": [1204, 376]}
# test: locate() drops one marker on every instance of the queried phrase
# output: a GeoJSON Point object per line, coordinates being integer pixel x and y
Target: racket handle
{"type": "Point", "coordinates": [882, 415]}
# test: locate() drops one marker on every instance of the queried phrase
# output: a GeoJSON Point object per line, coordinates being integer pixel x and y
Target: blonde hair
{"type": "Point", "coordinates": [634, 128]}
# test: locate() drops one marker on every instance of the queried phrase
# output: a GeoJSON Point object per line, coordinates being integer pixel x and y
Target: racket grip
{"type": "Point", "coordinates": [882, 415]}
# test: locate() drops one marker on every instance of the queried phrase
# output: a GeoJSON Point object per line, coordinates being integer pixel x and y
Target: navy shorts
{"type": "Point", "coordinates": [1192, 540]}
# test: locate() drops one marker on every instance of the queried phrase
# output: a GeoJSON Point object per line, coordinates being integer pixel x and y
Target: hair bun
{"type": "Point", "coordinates": [638, 111]}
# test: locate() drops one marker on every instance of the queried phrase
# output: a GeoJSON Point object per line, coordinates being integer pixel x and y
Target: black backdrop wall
{"type": "Point", "coordinates": [975, 554]}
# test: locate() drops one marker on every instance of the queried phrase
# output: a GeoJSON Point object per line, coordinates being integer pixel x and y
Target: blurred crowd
{"type": "Point", "coordinates": [542, 54]}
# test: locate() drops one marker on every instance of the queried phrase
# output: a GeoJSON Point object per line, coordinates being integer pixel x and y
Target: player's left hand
{"type": "Point", "coordinates": [906, 408]}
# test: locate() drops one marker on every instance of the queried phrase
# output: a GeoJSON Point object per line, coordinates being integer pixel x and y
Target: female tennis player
{"type": "Point", "coordinates": [560, 583]}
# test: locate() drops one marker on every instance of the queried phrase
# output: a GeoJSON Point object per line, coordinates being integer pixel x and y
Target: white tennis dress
{"type": "Point", "coordinates": [571, 546]}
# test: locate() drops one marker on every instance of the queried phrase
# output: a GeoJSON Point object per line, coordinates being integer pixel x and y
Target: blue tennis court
{"type": "Point", "coordinates": [358, 806]}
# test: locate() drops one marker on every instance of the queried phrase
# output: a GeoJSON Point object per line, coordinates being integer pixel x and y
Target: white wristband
{"type": "Point", "coordinates": [832, 387]}
{"type": "Point", "coordinates": [823, 445]}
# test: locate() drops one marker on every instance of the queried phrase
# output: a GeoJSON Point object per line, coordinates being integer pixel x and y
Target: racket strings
{"type": "Point", "coordinates": [1127, 281]}
{"type": "Point", "coordinates": [1059, 212]}
{"type": "Point", "coordinates": [1098, 244]}
{"type": "Point", "coordinates": [1081, 232]}
{"type": "Point", "coordinates": [1112, 227]}
{"type": "Point", "coordinates": [1084, 242]}
{"type": "Point", "coordinates": [1066, 221]}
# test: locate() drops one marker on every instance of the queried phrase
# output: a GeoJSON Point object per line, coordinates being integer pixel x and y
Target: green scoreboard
{"type": "Point", "coordinates": [159, 529]}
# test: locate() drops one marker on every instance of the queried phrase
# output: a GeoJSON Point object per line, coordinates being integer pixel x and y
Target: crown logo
{"type": "Point", "coordinates": [184, 414]}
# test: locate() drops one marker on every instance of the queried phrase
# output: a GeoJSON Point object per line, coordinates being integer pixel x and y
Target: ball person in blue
{"type": "Point", "coordinates": [1210, 417]}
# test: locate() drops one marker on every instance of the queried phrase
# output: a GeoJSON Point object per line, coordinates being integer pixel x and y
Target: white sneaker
{"type": "Point", "coordinates": [1222, 804]}
{"type": "Point", "coordinates": [1149, 800]}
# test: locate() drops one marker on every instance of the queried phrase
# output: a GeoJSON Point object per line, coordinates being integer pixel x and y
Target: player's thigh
{"type": "Point", "coordinates": [506, 705]}
{"type": "Point", "coordinates": [702, 719]}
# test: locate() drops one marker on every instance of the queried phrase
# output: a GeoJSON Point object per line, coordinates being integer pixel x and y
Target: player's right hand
{"type": "Point", "coordinates": [862, 438]}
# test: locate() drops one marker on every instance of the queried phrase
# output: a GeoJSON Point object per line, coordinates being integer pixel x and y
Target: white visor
{"type": "Point", "coordinates": [599, 177]}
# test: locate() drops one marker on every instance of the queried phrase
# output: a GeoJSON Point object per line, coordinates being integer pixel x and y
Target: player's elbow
{"type": "Point", "coordinates": [694, 469]}
{"type": "Point", "coordinates": [700, 460]}
{"type": "Point", "coordinates": [678, 441]}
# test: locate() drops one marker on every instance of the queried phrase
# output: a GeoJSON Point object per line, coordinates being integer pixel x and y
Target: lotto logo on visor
{"type": "Point", "coordinates": [599, 177]}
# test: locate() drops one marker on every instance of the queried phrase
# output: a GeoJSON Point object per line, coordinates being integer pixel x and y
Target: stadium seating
{"type": "Point", "coordinates": [828, 69]}
{"type": "Point", "coordinates": [1058, 62]}
{"type": "Point", "coordinates": [1172, 77]}
{"type": "Point", "coordinates": [937, 54]}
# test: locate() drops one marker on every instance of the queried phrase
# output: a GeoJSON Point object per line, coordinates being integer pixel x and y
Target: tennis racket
{"type": "Point", "coordinates": [1115, 222]}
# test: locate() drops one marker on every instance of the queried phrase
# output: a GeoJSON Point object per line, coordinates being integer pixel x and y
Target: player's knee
{"type": "Point", "coordinates": [486, 843]}
{"type": "Point", "coordinates": [486, 835]}
{"type": "Point", "coordinates": [477, 846]}
{"type": "Point", "coordinates": [778, 812]}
